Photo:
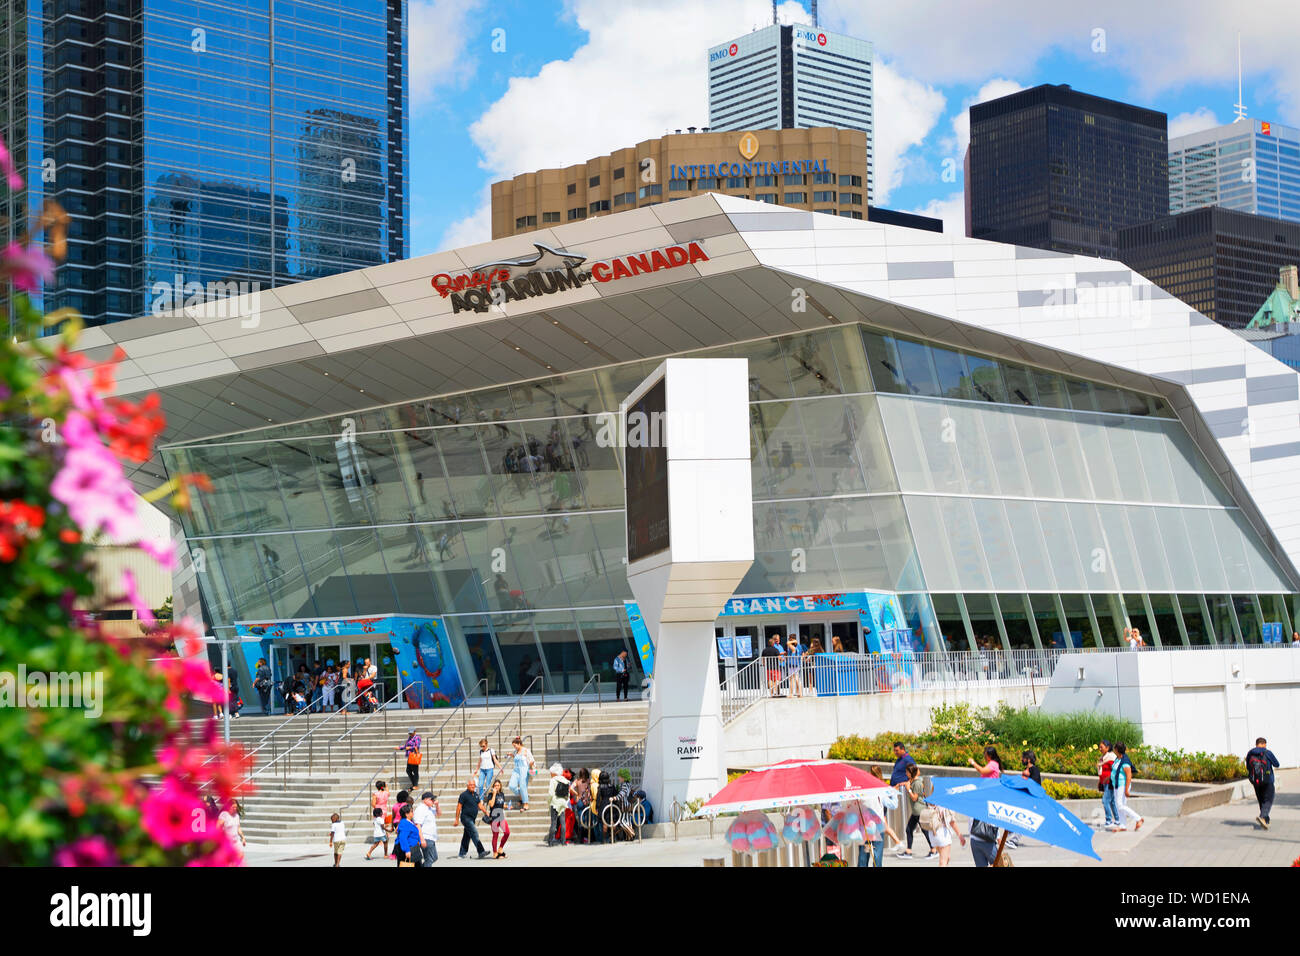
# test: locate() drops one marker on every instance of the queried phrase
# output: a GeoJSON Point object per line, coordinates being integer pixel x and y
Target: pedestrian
{"type": "Point", "coordinates": [794, 653]}
{"type": "Point", "coordinates": [469, 806]}
{"type": "Point", "coordinates": [993, 768]}
{"type": "Point", "coordinates": [522, 769]}
{"type": "Point", "coordinates": [347, 686]}
{"type": "Point", "coordinates": [945, 828]}
{"type": "Point", "coordinates": [772, 663]}
{"type": "Point", "coordinates": [379, 801]}
{"type": "Point", "coordinates": [622, 678]}
{"type": "Point", "coordinates": [413, 757]}
{"type": "Point", "coordinates": [1259, 765]}
{"type": "Point", "coordinates": [581, 799]}
{"type": "Point", "coordinates": [488, 765]}
{"type": "Point", "coordinates": [218, 695]}
{"type": "Point", "coordinates": [558, 800]}
{"type": "Point", "coordinates": [983, 842]}
{"type": "Point", "coordinates": [228, 820]}
{"type": "Point", "coordinates": [426, 818]}
{"type": "Point", "coordinates": [378, 832]}
{"type": "Point", "coordinates": [1121, 778]}
{"type": "Point", "coordinates": [876, 829]}
{"type": "Point", "coordinates": [262, 683]}
{"type": "Point", "coordinates": [338, 837]}
{"type": "Point", "coordinates": [1133, 638]}
{"type": "Point", "coordinates": [902, 760]}
{"type": "Point", "coordinates": [234, 702]}
{"type": "Point", "coordinates": [1104, 767]}
{"type": "Point", "coordinates": [496, 804]}
{"type": "Point", "coordinates": [914, 790]}
{"type": "Point", "coordinates": [1030, 763]}
{"type": "Point", "coordinates": [1295, 638]}
{"type": "Point", "coordinates": [408, 838]}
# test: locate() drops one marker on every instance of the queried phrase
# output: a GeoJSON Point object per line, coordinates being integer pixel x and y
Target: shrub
{"type": "Point", "coordinates": [1069, 790]}
{"type": "Point", "coordinates": [1041, 730]}
{"type": "Point", "coordinates": [957, 722]}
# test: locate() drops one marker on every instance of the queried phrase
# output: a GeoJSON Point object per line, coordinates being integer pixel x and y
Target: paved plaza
{"type": "Point", "coordinates": [1222, 836]}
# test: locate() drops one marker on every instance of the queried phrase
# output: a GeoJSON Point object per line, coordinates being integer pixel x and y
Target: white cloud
{"type": "Point", "coordinates": [951, 209]}
{"type": "Point", "coordinates": [473, 229]}
{"type": "Point", "coordinates": [906, 110]}
{"type": "Point", "coordinates": [1185, 123]}
{"type": "Point", "coordinates": [438, 37]}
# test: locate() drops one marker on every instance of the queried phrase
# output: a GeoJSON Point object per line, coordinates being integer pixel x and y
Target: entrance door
{"type": "Point", "coordinates": [847, 632]}
{"type": "Point", "coordinates": [814, 630]}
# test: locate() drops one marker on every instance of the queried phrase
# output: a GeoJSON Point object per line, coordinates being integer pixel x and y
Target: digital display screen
{"type": "Point", "coordinates": [647, 474]}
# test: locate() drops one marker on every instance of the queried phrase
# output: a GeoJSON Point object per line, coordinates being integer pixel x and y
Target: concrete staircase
{"type": "Point", "coordinates": [296, 795]}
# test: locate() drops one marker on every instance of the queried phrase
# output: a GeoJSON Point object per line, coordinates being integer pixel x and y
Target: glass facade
{"type": "Point", "coordinates": [1007, 506]}
{"type": "Point", "coordinates": [204, 149]}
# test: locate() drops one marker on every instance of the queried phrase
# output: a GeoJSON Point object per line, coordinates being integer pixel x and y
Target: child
{"type": "Point", "coordinates": [338, 839]}
{"type": "Point", "coordinates": [378, 835]}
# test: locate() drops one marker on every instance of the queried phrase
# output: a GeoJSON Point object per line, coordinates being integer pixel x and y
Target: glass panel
{"type": "Point", "coordinates": [886, 367]}
{"type": "Point", "coordinates": [947, 613]}
{"type": "Point", "coordinates": [1063, 439]}
{"type": "Point", "coordinates": [1232, 550]}
{"type": "Point", "coordinates": [1204, 548]}
{"type": "Point", "coordinates": [995, 535]}
{"type": "Point", "coordinates": [1193, 619]}
{"type": "Point", "coordinates": [389, 501]}
{"type": "Point", "coordinates": [832, 427]}
{"type": "Point", "coordinates": [768, 372]}
{"type": "Point", "coordinates": [951, 366]}
{"type": "Point", "coordinates": [1174, 544]}
{"type": "Point", "coordinates": [1248, 619]}
{"type": "Point", "coordinates": [1062, 551]}
{"type": "Point", "coordinates": [931, 537]}
{"type": "Point", "coordinates": [985, 379]}
{"type": "Point", "coordinates": [1081, 397]}
{"type": "Point", "coordinates": [565, 663]}
{"type": "Point", "coordinates": [1128, 466]}
{"type": "Point", "coordinates": [851, 359]}
{"type": "Point", "coordinates": [1182, 453]}
{"type": "Point", "coordinates": [1166, 620]}
{"type": "Point", "coordinates": [983, 621]}
{"type": "Point", "coordinates": [604, 632]}
{"type": "Point", "coordinates": [811, 364]}
{"type": "Point", "coordinates": [366, 571]}
{"type": "Point", "coordinates": [918, 368]}
{"type": "Point", "coordinates": [963, 541]}
{"type": "Point", "coordinates": [519, 478]}
{"type": "Point", "coordinates": [964, 426]}
{"type": "Point", "coordinates": [1137, 618]}
{"type": "Point", "coordinates": [295, 468]}
{"type": "Point", "coordinates": [597, 463]}
{"type": "Point", "coordinates": [1020, 384]}
{"type": "Point", "coordinates": [1050, 389]}
{"type": "Point", "coordinates": [1075, 607]}
{"type": "Point", "coordinates": [467, 472]}
{"type": "Point", "coordinates": [519, 654]}
{"type": "Point", "coordinates": [263, 506]}
{"type": "Point", "coordinates": [407, 550]}
{"type": "Point", "coordinates": [1156, 575]}
{"type": "Point", "coordinates": [778, 528]}
{"type": "Point", "coordinates": [1029, 543]}
{"type": "Point", "coordinates": [1040, 464]}
{"type": "Point", "coordinates": [248, 579]}
{"type": "Point", "coordinates": [905, 444]}
{"type": "Point", "coordinates": [1152, 439]}
{"type": "Point", "coordinates": [1110, 618]}
{"type": "Point", "coordinates": [1048, 622]}
{"type": "Point", "coordinates": [926, 634]}
{"type": "Point", "coordinates": [1016, 621]}
{"type": "Point", "coordinates": [1004, 451]}
{"type": "Point", "coordinates": [936, 433]}
{"type": "Point", "coordinates": [895, 566]}
{"type": "Point", "coordinates": [482, 655]}
{"type": "Point", "coordinates": [220, 510]}
{"type": "Point", "coordinates": [1097, 455]}
{"type": "Point", "coordinates": [782, 467]}
{"type": "Point", "coordinates": [1221, 618]}
{"type": "Point", "coordinates": [872, 449]}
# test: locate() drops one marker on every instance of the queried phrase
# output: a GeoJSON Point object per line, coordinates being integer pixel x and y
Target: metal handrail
{"type": "Point", "coordinates": [262, 741]}
{"type": "Point", "coordinates": [546, 744]}
{"type": "Point", "coordinates": [460, 709]}
{"type": "Point", "coordinates": [379, 709]}
{"type": "Point", "coordinates": [307, 738]}
{"type": "Point", "coordinates": [519, 702]}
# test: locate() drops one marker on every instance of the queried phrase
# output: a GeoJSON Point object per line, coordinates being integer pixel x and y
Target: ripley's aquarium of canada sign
{"type": "Point", "coordinates": [550, 270]}
{"type": "Point", "coordinates": [421, 649]}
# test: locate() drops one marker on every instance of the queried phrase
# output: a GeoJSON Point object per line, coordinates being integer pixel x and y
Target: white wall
{"type": "Point", "coordinates": [780, 728]}
{"type": "Point", "coordinates": [1217, 700]}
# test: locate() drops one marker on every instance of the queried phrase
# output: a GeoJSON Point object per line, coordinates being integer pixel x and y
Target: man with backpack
{"type": "Point", "coordinates": [1104, 768]}
{"type": "Point", "coordinates": [1259, 765]}
{"type": "Point", "coordinates": [559, 803]}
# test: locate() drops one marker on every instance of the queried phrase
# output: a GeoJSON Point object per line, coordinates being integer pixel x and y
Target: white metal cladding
{"type": "Point", "coordinates": [1099, 318]}
{"type": "Point", "coordinates": [380, 335]}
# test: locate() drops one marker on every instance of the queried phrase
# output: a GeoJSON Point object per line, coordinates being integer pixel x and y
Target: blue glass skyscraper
{"type": "Point", "coordinates": [217, 143]}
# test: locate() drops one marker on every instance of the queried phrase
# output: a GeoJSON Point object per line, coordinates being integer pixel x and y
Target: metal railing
{"type": "Point", "coordinates": [518, 705]}
{"type": "Point", "coordinates": [460, 710]}
{"type": "Point", "coordinates": [632, 760]}
{"type": "Point", "coordinates": [558, 728]}
{"type": "Point", "coordinates": [380, 709]}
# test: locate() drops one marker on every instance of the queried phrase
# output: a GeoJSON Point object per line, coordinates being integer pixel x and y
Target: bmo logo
{"type": "Point", "coordinates": [723, 53]}
{"type": "Point", "coordinates": [808, 35]}
{"type": "Point", "coordinates": [821, 39]}
{"type": "Point", "coordinates": [1017, 816]}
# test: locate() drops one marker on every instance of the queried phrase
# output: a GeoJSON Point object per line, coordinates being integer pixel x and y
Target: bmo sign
{"type": "Point", "coordinates": [723, 53]}
{"type": "Point", "coordinates": [810, 36]}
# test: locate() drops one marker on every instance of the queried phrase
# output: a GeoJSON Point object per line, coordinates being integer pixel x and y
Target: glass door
{"type": "Point", "coordinates": [846, 632]}
{"type": "Point", "coordinates": [279, 671]}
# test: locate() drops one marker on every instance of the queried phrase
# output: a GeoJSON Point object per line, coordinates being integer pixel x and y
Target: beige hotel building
{"type": "Point", "coordinates": [822, 169]}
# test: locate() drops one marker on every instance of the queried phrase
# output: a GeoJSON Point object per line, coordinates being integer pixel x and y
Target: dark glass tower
{"type": "Point", "coordinates": [215, 143]}
{"type": "Point", "coordinates": [1222, 262]}
{"type": "Point", "coordinates": [1057, 169]}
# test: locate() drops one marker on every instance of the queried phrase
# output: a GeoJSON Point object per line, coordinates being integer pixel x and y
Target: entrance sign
{"type": "Point", "coordinates": [690, 526]}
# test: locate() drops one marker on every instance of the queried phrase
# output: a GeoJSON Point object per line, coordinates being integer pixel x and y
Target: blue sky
{"type": "Point", "coordinates": [582, 77]}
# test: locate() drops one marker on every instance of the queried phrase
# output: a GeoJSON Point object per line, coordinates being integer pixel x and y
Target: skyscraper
{"type": "Point", "coordinates": [1057, 169]}
{"type": "Point", "coordinates": [207, 142]}
{"type": "Point", "coordinates": [1251, 166]}
{"type": "Point", "coordinates": [785, 77]}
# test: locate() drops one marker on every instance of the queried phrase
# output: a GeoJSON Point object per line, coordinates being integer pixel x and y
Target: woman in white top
{"type": "Point", "coordinates": [488, 765]}
{"type": "Point", "coordinates": [228, 820]}
{"type": "Point", "coordinates": [945, 828]}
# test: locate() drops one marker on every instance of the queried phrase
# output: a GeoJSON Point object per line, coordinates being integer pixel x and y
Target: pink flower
{"type": "Point", "coordinates": [90, 851]}
{"type": "Point", "coordinates": [173, 814]}
{"type": "Point", "coordinates": [162, 550]}
{"type": "Point", "coordinates": [7, 167]}
{"type": "Point", "coordinates": [226, 854]}
{"type": "Point", "coordinates": [29, 266]}
{"type": "Point", "coordinates": [142, 610]}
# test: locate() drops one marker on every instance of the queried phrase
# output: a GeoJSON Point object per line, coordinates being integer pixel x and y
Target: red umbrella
{"type": "Point", "coordinates": [793, 783]}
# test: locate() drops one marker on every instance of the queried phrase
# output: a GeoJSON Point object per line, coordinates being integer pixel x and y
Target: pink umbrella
{"type": "Point", "coordinates": [752, 833]}
{"type": "Point", "coordinates": [793, 783]}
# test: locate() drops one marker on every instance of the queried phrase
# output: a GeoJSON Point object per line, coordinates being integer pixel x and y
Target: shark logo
{"type": "Point", "coordinates": [545, 259]}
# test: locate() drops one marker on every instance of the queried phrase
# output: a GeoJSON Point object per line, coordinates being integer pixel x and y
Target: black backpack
{"type": "Point", "coordinates": [562, 788]}
{"type": "Point", "coordinates": [1257, 765]}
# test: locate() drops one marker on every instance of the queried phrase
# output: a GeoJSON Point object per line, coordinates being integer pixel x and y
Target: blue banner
{"type": "Point", "coordinates": [424, 657]}
{"type": "Point", "coordinates": [645, 647]}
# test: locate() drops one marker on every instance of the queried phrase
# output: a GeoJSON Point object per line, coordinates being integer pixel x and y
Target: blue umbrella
{"type": "Point", "coordinates": [1014, 803]}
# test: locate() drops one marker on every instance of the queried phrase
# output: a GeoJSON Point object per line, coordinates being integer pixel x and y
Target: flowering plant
{"type": "Point", "coordinates": [99, 767]}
